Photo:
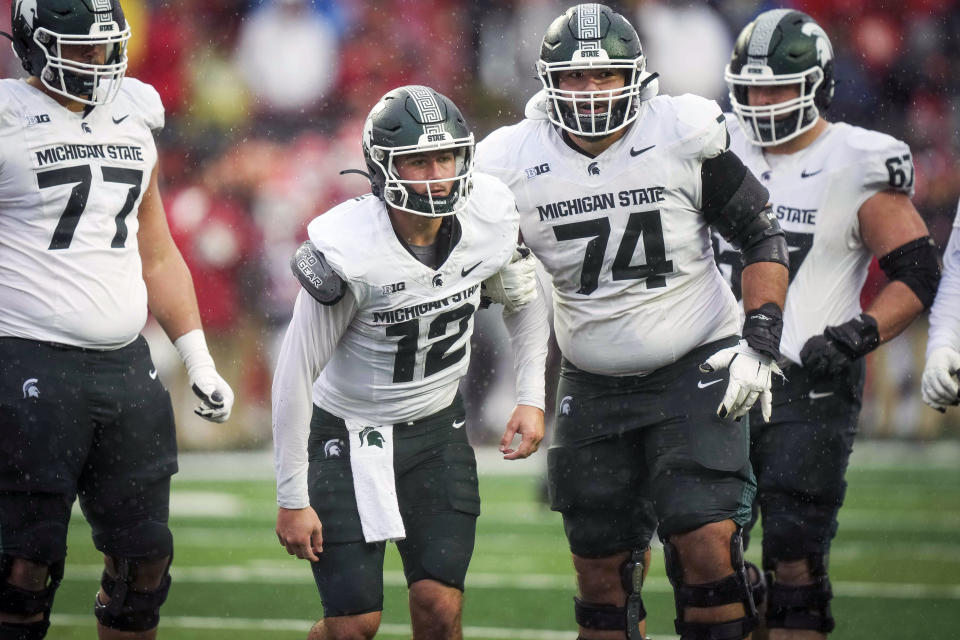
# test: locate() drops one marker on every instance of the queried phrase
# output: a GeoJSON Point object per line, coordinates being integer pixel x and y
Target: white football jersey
{"type": "Point", "coordinates": [70, 190]}
{"type": "Point", "coordinates": [622, 234]}
{"type": "Point", "coordinates": [403, 354]}
{"type": "Point", "coordinates": [816, 194]}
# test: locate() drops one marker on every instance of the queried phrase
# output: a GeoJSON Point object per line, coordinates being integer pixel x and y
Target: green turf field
{"type": "Point", "coordinates": [895, 565]}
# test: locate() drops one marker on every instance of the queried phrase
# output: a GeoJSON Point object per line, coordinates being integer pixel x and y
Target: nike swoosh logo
{"type": "Point", "coordinates": [703, 385]}
{"type": "Point", "coordinates": [804, 174]}
{"type": "Point", "coordinates": [823, 394]}
{"type": "Point", "coordinates": [464, 272]}
{"type": "Point", "coordinates": [153, 374]}
{"type": "Point", "coordinates": [634, 152]}
{"type": "Point", "coordinates": [459, 423]}
{"type": "Point", "coordinates": [119, 120]}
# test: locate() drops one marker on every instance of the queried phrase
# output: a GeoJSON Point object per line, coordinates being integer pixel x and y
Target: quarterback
{"type": "Point", "coordinates": [379, 340]}
{"type": "Point", "coordinates": [617, 190]}
{"type": "Point", "coordinates": [84, 252]}
{"type": "Point", "coordinates": [842, 196]}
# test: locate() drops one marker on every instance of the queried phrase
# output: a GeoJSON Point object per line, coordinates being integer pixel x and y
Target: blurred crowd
{"type": "Point", "coordinates": [266, 99]}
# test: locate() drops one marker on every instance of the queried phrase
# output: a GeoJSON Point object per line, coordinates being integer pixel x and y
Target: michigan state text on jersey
{"type": "Point", "coordinates": [617, 190]}
{"type": "Point", "coordinates": [841, 194]}
{"type": "Point", "coordinates": [378, 343]}
{"type": "Point", "coordinates": [84, 250]}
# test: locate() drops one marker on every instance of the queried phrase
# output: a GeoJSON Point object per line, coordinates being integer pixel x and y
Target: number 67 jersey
{"type": "Point", "coordinates": [622, 234]}
{"type": "Point", "coordinates": [70, 189]}
{"type": "Point", "coordinates": [816, 194]}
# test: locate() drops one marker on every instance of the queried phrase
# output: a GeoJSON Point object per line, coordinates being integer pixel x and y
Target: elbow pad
{"type": "Point", "coordinates": [316, 275]}
{"type": "Point", "coordinates": [917, 265]}
{"type": "Point", "coordinates": [737, 205]}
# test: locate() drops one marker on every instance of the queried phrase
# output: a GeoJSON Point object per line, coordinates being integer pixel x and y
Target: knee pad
{"type": "Point", "coordinates": [733, 589]}
{"type": "Point", "coordinates": [147, 539]}
{"type": "Point", "coordinates": [130, 610]}
{"type": "Point", "coordinates": [28, 631]}
{"type": "Point", "coordinates": [608, 617]}
{"type": "Point", "coordinates": [801, 606]}
{"type": "Point", "coordinates": [24, 602]}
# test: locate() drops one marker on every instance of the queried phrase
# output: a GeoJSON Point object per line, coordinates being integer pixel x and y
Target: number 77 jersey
{"type": "Point", "coordinates": [622, 234]}
{"type": "Point", "coordinates": [70, 190]}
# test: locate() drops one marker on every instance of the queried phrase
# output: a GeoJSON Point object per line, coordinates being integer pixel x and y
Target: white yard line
{"type": "Point", "coordinates": [287, 625]}
{"type": "Point", "coordinates": [266, 574]}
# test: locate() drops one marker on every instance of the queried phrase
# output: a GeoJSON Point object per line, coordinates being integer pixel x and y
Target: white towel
{"type": "Point", "coordinates": [371, 460]}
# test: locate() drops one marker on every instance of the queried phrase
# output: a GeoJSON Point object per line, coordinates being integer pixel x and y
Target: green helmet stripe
{"type": "Point", "coordinates": [763, 30]}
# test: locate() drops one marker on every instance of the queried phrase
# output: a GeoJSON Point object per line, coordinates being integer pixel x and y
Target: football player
{"type": "Point", "coordinates": [379, 340]}
{"type": "Point", "coordinates": [940, 387]}
{"type": "Point", "coordinates": [84, 252]}
{"type": "Point", "coordinates": [842, 196]}
{"type": "Point", "coordinates": [618, 189]}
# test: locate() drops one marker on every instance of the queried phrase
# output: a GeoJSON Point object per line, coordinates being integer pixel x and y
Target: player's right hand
{"type": "Point", "coordinates": [751, 376]}
{"type": "Point", "coordinates": [300, 532]}
{"type": "Point", "coordinates": [940, 385]}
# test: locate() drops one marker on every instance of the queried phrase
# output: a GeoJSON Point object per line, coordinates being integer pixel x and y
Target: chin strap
{"type": "Point", "coordinates": [363, 173]}
{"type": "Point", "coordinates": [6, 35]}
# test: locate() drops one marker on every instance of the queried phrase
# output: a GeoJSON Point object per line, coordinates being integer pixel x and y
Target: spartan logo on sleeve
{"type": "Point", "coordinates": [333, 449]}
{"type": "Point", "coordinates": [30, 388]}
{"type": "Point", "coordinates": [371, 437]}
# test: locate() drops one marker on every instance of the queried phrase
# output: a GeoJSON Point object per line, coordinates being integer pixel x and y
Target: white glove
{"type": "Point", "coordinates": [751, 375]}
{"type": "Point", "coordinates": [216, 396]}
{"type": "Point", "coordinates": [515, 284]}
{"type": "Point", "coordinates": [940, 385]}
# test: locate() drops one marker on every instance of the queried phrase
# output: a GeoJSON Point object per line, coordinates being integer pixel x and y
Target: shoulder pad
{"type": "Point", "coordinates": [701, 125]}
{"type": "Point", "coordinates": [147, 101]}
{"type": "Point", "coordinates": [316, 275]}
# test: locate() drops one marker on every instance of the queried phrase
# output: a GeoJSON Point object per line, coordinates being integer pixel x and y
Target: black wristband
{"type": "Point", "coordinates": [856, 337]}
{"type": "Point", "coordinates": [762, 329]}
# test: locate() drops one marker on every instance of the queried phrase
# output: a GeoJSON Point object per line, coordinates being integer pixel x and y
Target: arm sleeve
{"type": "Point", "coordinates": [529, 330]}
{"type": "Point", "coordinates": [945, 315]}
{"type": "Point", "coordinates": [308, 345]}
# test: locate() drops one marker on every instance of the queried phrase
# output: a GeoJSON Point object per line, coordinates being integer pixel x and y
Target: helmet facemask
{"type": "Point", "coordinates": [84, 82]}
{"type": "Point", "coordinates": [620, 105]}
{"type": "Point", "coordinates": [775, 124]}
{"type": "Point", "coordinates": [400, 194]}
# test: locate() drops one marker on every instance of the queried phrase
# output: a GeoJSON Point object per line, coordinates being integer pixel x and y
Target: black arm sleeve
{"type": "Point", "coordinates": [736, 204]}
{"type": "Point", "coordinates": [316, 276]}
{"type": "Point", "coordinates": [916, 265]}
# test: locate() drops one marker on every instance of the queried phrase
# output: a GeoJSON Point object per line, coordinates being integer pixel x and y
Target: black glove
{"type": "Point", "coordinates": [830, 354]}
{"type": "Point", "coordinates": [762, 329]}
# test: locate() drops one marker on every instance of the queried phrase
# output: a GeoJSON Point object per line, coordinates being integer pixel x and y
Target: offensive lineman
{"type": "Point", "coordinates": [842, 196]}
{"type": "Point", "coordinates": [616, 189]}
{"type": "Point", "coordinates": [84, 251]}
{"type": "Point", "coordinates": [379, 340]}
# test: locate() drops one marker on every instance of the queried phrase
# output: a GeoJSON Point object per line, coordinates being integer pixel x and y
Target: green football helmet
{"type": "Point", "coordinates": [410, 120]}
{"type": "Point", "coordinates": [42, 28]}
{"type": "Point", "coordinates": [592, 36]}
{"type": "Point", "coordinates": [781, 47]}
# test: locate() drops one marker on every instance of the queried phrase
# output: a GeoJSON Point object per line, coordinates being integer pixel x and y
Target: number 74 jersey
{"type": "Point", "coordinates": [70, 189]}
{"type": "Point", "coordinates": [622, 234]}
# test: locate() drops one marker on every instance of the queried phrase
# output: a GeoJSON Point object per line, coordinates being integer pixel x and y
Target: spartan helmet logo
{"type": "Point", "coordinates": [28, 9]}
{"type": "Point", "coordinates": [566, 405]}
{"type": "Point", "coordinates": [593, 169]}
{"type": "Point", "coordinates": [370, 436]}
{"type": "Point", "coordinates": [333, 449]}
{"type": "Point", "coordinates": [438, 280]}
{"type": "Point", "coordinates": [30, 389]}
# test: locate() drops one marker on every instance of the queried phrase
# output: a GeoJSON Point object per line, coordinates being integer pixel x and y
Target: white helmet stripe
{"type": "Point", "coordinates": [428, 108]}
{"type": "Point", "coordinates": [763, 33]}
{"type": "Point", "coordinates": [588, 26]}
{"type": "Point", "coordinates": [104, 10]}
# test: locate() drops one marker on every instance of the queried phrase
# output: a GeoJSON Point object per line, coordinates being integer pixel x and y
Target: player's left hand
{"type": "Point", "coordinates": [940, 385]}
{"type": "Point", "coordinates": [216, 396]}
{"type": "Point", "coordinates": [515, 284]}
{"type": "Point", "coordinates": [751, 376]}
{"type": "Point", "coordinates": [528, 422]}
